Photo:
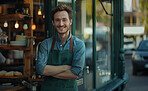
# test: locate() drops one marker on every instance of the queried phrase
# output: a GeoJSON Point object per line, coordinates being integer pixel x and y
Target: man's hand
{"type": "Point", "coordinates": [51, 70]}
{"type": "Point", "coordinates": [66, 75]}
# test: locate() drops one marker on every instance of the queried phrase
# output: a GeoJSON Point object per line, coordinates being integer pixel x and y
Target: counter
{"type": "Point", "coordinates": [13, 88]}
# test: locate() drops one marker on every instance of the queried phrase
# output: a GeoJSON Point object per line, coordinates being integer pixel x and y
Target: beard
{"type": "Point", "coordinates": [63, 32]}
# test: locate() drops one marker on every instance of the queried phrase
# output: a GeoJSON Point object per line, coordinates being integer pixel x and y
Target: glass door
{"type": "Point", "coordinates": [103, 42]}
{"type": "Point", "coordinates": [83, 31]}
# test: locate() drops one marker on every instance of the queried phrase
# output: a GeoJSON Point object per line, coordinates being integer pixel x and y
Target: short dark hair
{"type": "Point", "coordinates": [62, 7]}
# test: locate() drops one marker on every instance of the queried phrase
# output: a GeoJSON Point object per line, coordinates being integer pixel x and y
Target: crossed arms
{"type": "Point", "coordinates": [62, 72]}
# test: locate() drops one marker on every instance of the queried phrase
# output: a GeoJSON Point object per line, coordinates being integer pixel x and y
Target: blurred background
{"type": "Point", "coordinates": [136, 50]}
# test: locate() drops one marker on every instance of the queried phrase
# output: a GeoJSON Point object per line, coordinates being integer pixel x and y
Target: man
{"type": "Point", "coordinates": [61, 58]}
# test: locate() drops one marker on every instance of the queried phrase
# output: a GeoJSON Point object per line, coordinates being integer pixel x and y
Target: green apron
{"type": "Point", "coordinates": [57, 57]}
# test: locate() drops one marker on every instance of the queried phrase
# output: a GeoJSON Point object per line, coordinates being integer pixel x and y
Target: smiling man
{"type": "Point", "coordinates": [61, 58]}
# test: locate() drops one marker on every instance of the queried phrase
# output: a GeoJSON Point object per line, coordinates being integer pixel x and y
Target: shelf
{"type": "Point", "coordinates": [14, 88]}
{"type": "Point", "coordinates": [12, 77]}
{"type": "Point", "coordinates": [39, 30]}
{"type": "Point", "coordinates": [11, 17]}
{"type": "Point", "coordinates": [30, 37]}
{"type": "Point", "coordinates": [14, 64]}
{"type": "Point", "coordinates": [21, 18]}
{"type": "Point", "coordinates": [40, 38]}
{"type": "Point", "coordinates": [14, 48]}
{"type": "Point", "coordinates": [37, 79]}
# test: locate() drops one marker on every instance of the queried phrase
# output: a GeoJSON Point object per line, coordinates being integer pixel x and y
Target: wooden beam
{"type": "Point", "coordinates": [28, 55]}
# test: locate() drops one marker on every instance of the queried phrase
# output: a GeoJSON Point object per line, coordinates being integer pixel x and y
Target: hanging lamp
{"type": "Point", "coordinates": [5, 24]}
{"type": "Point", "coordinates": [40, 9]}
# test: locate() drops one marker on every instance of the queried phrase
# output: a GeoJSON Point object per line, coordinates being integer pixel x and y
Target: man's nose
{"type": "Point", "coordinates": [61, 23]}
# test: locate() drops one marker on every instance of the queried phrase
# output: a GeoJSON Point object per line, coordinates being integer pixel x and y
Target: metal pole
{"type": "Point", "coordinates": [73, 18]}
{"type": "Point", "coordinates": [94, 40]}
{"type": "Point", "coordinates": [48, 21]}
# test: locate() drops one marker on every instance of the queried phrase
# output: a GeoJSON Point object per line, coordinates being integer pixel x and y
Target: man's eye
{"type": "Point", "coordinates": [57, 20]}
{"type": "Point", "coordinates": [64, 19]}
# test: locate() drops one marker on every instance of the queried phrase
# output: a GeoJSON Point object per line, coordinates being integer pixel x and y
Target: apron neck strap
{"type": "Point", "coordinates": [53, 42]}
{"type": "Point", "coordinates": [71, 44]}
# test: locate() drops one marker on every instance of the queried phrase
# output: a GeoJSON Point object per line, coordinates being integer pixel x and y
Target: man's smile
{"type": "Point", "coordinates": [61, 28]}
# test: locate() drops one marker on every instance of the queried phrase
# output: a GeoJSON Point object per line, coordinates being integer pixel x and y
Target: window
{"type": "Point", "coordinates": [84, 31]}
{"type": "Point", "coordinates": [103, 43]}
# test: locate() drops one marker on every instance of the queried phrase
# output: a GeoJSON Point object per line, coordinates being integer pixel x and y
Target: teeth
{"type": "Point", "coordinates": [61, 28]}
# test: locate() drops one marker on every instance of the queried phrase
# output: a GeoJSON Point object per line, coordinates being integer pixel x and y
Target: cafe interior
{"type": "Point", "coordinates": [21, 31]}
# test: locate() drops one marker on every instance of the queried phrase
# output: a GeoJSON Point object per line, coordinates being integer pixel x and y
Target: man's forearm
{"type": "Point", "coordinates": [51, 70]}
{"type": "Point", "coordinates": [66, 75]}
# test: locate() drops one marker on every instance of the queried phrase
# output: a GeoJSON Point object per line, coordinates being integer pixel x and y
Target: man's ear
{"type": "Point", "coordinates": [70, 21]}
{"type": "Point", "coordinates": [52, 23]}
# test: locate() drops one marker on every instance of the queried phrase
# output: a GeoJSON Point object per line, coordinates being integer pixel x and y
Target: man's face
{"type": "Point", "coordinates": [61, 22]}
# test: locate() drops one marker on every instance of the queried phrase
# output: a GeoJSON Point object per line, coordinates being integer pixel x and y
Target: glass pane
{"type": "Point", "coordinates": [69, 2]}
{"type": "Point", "coordinates": [65, 1]}
{"type": "Point", "coordinates": [103, 43]}
{"type": "Point", "coordinates": [84, 31]}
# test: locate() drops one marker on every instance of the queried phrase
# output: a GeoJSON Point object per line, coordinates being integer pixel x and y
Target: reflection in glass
{"type": "Point", "coordinates": [84, 31]}
{"type": "Point", "coordinates": [103, 43]}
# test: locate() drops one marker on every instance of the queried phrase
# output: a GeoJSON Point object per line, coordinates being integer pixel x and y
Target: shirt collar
{"type": "Point", "coordinates": [58, 39]}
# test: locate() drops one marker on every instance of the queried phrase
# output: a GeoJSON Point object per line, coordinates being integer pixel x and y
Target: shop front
{"type": "Point", "coordinates": [99, 23]}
